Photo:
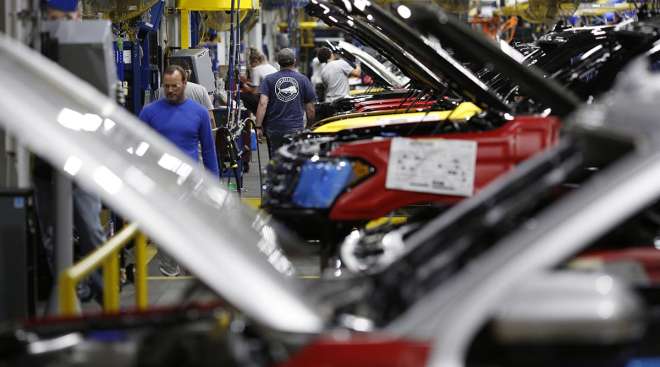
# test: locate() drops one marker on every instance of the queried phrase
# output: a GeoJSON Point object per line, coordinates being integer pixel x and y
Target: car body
{"type": "Point", "coordinates": [425, 84]}
{"type": "Point", "coordinates": [390, 77]}
{"type": "Point", "coordinates": [583, 59]}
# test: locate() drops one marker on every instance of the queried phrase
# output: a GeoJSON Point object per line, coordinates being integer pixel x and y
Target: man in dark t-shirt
{"type": "Point", "coordinates": [285, 97]}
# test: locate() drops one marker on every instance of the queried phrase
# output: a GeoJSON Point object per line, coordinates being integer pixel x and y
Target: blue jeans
{"type": "Point", "coordinates": [86, 210]}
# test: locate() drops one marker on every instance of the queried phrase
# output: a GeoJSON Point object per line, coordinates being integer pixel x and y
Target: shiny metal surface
{"type": "Point", "coordinates": [146, 179]}
{"type": "Point", "coordinates": [454, 312]}
{"type": "Point", "coordinates": [376, 66]}
{"type": "Point", "coordinates": [570, 307]}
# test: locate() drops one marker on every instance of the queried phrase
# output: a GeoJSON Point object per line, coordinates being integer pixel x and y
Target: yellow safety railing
{"type": "Point", "coordinates": [107, 256]}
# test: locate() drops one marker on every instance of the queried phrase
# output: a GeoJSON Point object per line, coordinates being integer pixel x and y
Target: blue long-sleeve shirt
{"type": "Point", "coordinates": [186, 125]}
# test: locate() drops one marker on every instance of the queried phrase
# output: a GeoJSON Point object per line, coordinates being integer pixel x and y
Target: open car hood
{"type": "Point", "coordinates": [462, 112]}
{"type": "Point", "coordinates": [430, 20]}
{"type": "Point", "coordinates": [146, 179]}
{"type": "Point", "coordinates": [438, 70]}
{"type": "Point", "coordinates": [421, 76]}
{"type": "Point", "coordinates": [375, 67]}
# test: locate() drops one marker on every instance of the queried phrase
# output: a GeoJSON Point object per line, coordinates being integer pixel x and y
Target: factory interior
{"type": "Point", "coordinates": [334, 183]}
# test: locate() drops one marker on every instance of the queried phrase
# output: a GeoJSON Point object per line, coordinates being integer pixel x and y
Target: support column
{"type": "Point", "coordinates": [63, 234]}
{"type": "Point", "coordinates": [268, 20]}
{"type": "Point", "coordinates": [255, 38]}
{"type": "Point", "coordinates": [173, 26]}
{"type": "Point", "coordinates": [19, 19]}
{"type": "Point", "coordinates": [23, 174]}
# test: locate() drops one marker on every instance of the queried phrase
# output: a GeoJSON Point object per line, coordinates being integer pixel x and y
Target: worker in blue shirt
{"type": "Point", "coordinates": [184, 122]}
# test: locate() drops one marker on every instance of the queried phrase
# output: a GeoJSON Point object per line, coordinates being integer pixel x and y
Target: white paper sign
{"type": "Point", "coordinates": [437, 166]}
{"type": "Point", "coordinates": [127, 56]}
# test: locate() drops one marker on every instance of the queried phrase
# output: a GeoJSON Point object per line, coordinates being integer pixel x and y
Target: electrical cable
{"type": "Point", "coordinates": [231, 99]}
{"type": "Point", "coordinates": [237, 112]}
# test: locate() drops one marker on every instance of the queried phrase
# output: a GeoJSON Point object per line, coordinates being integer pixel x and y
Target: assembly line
{"type": "Point", "coordinates": [329, 183]}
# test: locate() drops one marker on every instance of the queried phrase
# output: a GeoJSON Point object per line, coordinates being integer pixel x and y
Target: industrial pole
{"type": "Point", "coordinates": [20, 20]}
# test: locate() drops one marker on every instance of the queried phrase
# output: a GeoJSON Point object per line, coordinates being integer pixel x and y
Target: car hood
{"type": "Point", "coordinates": [146, 179]}
{"type": "Point", "coordinates": [439, 28]}
{"type": "Point", "coordinates": [463, 111]}
{"type": "Point", "coordinates": [376, 67]}
{"type": "Point", "coordinates": [419, 73]}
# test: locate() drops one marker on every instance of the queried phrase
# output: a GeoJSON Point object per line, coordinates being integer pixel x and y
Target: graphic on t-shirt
{"type": "Point", "coordinates": [286, 89]}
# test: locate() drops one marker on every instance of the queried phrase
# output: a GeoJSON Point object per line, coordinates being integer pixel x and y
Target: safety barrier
{"type": "Point", "coordinates": [107, 256]}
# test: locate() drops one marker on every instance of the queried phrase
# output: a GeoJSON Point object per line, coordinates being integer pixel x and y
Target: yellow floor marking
{"type": "Point", "coordinates": [253, 202]}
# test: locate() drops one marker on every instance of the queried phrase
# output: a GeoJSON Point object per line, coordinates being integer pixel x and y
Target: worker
{"type": "Point", "coordinates": [86, 206]}
{"type": "Point", "coordinates": [259, 69]}
{"type": "Point", "coordinates": [197, 93]}
{"type": "Point", "coordinates": [211, 43]}
{"type": "Point", "coordinates": [335, 74]}
{"type": "Point", "coordinates": [317, 67]}
{"type": "Point", "coordinates": [181, 120]}
{"type": "Point", "coordinates": [286, 97]}
{"type": "Point", "coordinates": [186, 124]}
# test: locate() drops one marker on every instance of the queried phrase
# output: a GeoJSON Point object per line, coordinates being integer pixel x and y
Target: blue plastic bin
{"type": "Point", "coordinates": [253, 140]}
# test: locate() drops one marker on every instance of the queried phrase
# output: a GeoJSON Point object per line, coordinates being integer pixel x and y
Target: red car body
{"type": "Point", "coordinates": [392, 103]}
{"type": "Point", "coordinates": [498, 151]}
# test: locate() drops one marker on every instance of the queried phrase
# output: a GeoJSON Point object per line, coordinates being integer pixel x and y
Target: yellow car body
{"type": "Point", "coordinates": [463, 111]}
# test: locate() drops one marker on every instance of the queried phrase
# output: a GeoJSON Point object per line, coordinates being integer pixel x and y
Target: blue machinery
{"type": "Point", "coordinates": [134, 58]}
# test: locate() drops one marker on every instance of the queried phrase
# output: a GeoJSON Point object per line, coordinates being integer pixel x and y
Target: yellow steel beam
{"type": "Point", "coordinates": [216, 5]}
{"type": "Point", "coordinates": [185, 29]}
